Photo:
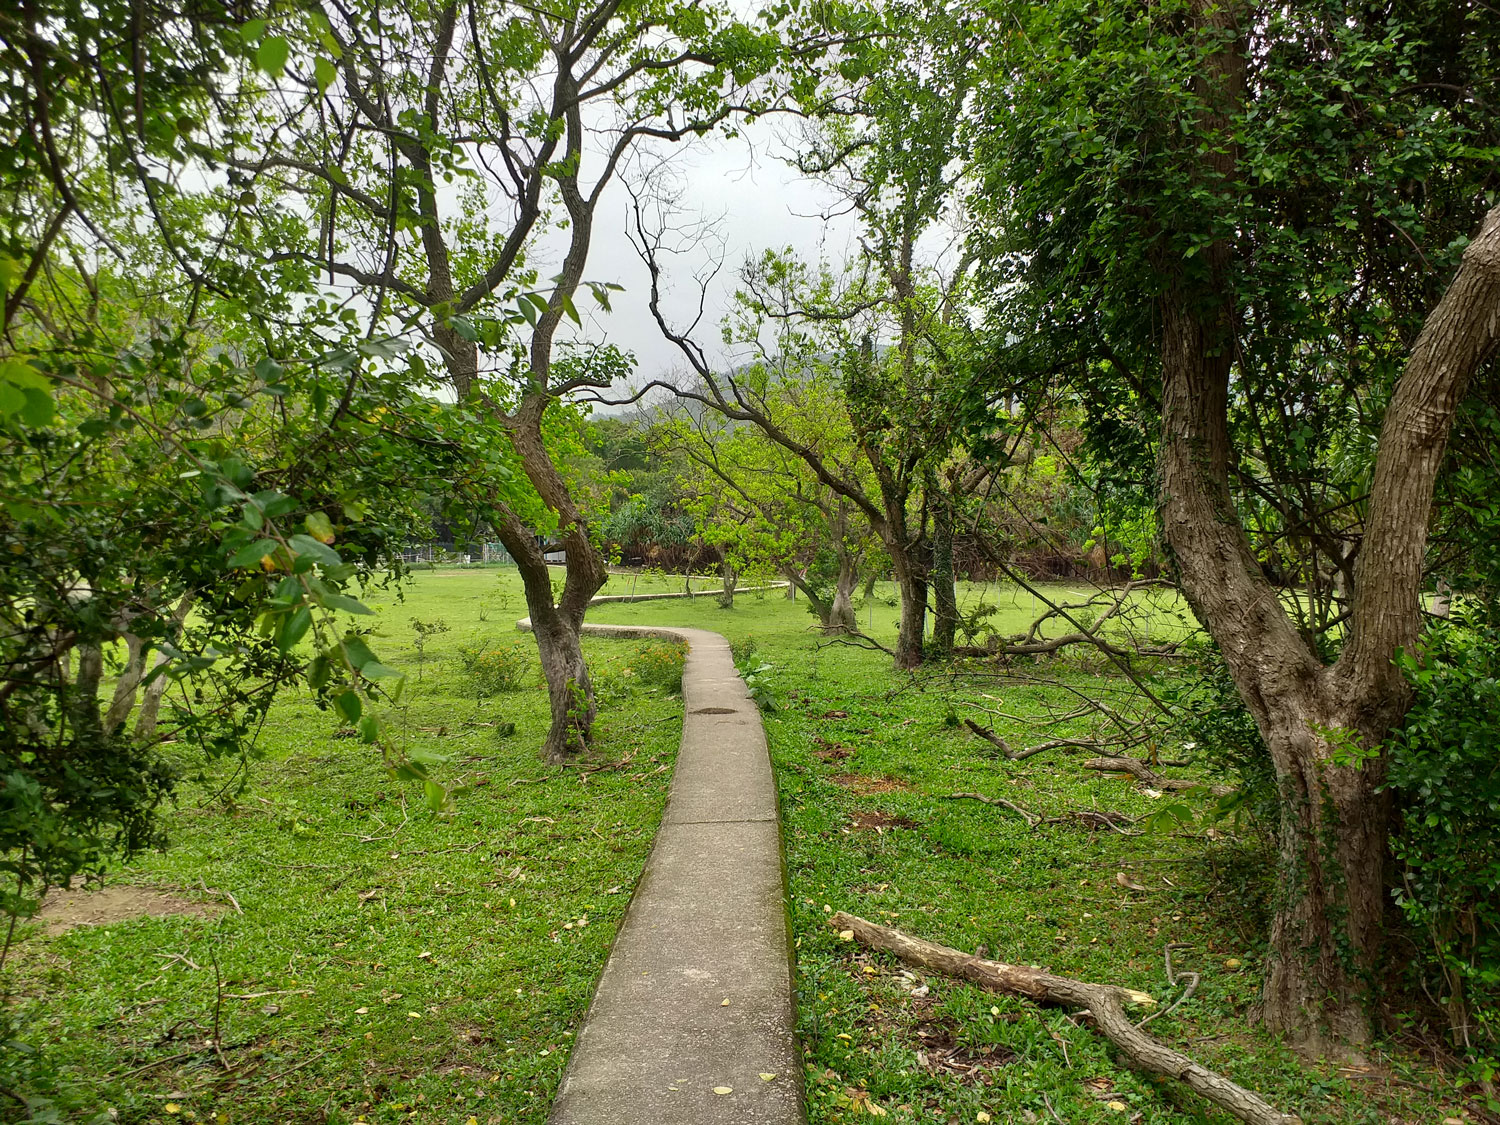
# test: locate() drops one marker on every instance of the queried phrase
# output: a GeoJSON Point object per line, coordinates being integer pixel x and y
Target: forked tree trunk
{"type": "Point", "coordinates": [841, 611]}
{"type": "Point", "coordinates": [1326, 932]}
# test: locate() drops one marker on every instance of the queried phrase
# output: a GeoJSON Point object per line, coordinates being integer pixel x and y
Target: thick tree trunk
{"type": "Point", "coordinates": [912, 580]}
{"type": "Point", "coordinates": [841, 612]}
{"type": "Point", "coordinates": [569, 688]}
{"type": "Point", "coordinates": [557, 626]}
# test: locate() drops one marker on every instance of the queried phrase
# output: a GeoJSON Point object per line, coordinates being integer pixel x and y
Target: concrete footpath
{"type": "Point", "coordinates": [692, 1022]}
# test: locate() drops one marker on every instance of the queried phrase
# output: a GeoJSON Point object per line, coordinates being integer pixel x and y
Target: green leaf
{"type": "Point", "coordinates": [23, 375]}
{"type": "Point", "coordinates": [324, 72]}
{"type": "Point", "coordinates": [369, 729]}
{"type": "Point", "coordinates": [37, 410]}
{"type": "Point", "coordinates": [348, 705]}
{"type": "Point", "coordinates": [356, 652]}
{"type": "Point", "coordinates": [345, 603]}
{"type": "Point", "coordinates": [251, 555]}
{"type": "Point", "coordinates": [375, 670]}
{"type": "Point", "coordinates": [251, 31]}
{"type": "Point", "coordinates": [272, 54]}
{"type": "Point", "coordinates": [12, 399]}
{"type": "Point", "coordinates": [294, 629]}
{"type": "Point", "coordinates": [307, 545]}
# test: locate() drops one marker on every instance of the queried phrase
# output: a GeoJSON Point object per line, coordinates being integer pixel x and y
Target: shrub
{"type": "Point", "coordinates": [659, 665]}
{"type": "Point", "coordinates": [1447, 789]}
{"type": "Point", "coordinates": [491, 670]}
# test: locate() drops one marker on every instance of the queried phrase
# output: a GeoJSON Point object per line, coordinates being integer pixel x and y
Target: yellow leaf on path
{"type": "Point", "coordinates": [361, 1011]}
{"type": "Point", "coordinates": [846, 935]}
{"type": "Point", "coordinates": [172, 1107]}
{"type": "Point", "coordinates": [1118, 1107]}
{"type": "Point", "coordinates": [981, 1116]}
{"type": "Point", "coordinates": [723, 1089]}
{"type": "Point", "coordinates": [724, 1003]}
{"type": "Point", "coordinates": [472, 1120]}
{"type": "Point", "coordinates": [764, 1077]}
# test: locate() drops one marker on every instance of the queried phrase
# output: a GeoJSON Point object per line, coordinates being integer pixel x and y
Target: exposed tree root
{"type": "Point", "coordinates": [1105, 1002]}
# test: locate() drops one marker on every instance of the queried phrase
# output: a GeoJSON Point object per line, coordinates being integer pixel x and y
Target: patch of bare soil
{"type": "Point", "coordinates": [940, 1052]}
{"type": "Point", "coordinates": [867, 786]}
{"type": "Point", "coordinates": [62, 910]}
{"type": "Point", "coordinates": [831, 751]}
{"type": "Point", "coordinates": [879, 822]}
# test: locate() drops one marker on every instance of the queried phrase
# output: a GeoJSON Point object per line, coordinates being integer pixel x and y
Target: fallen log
{"type": "Point", "coordinates": [1142, 772]}
{"type": "Point", "coordinates": [1105, 1002]}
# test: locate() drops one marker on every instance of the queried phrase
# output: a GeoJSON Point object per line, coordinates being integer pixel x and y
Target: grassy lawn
{"type": "Point", "coordinates": [393, 966]}
{"type": "Point", "coordinates": [388, 964]}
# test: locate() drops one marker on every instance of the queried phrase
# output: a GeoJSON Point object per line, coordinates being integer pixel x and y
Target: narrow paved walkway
{"type": "Point", "coordinates": [692, 1022]}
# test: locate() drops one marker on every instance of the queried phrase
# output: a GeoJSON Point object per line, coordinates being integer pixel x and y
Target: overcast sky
{"type": "Point", "coordinates": [745, 197]}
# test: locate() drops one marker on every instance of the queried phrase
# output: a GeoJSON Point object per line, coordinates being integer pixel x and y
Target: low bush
{"type": "Point", "coordinates": [659, 665]}
{"type": "Point", "coordinates": [491, 670]}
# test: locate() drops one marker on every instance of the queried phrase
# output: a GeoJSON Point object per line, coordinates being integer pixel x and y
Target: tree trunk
{"type": "Point", "coordinates": [912, 581]}
{"type": "Point", "coordinates": [1323, 726]}
{"type": "Point", "coordinates": [841, 613]}
{"type": "Point", "coordinates": [557, 626]}
{"type": "Point", "coordinates": [569, 688]}
{"type": "Point", "coordinates": [1106, 1002]}
{"type": "Point", "coordinates": [795, 582]}
{"type": "Point", "coordinates": [945, 597]}
{"type": "Point", "coordinates": [145, 720]}
{"type": "Point", "coordinates": [729, 578]}
{"type": "Point", "coordinates": [126, 686]}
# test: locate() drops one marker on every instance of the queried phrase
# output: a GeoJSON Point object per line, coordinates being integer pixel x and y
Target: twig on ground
{"type": "Point", "coordinates": [215, 892]}
{"type": "Point", "coordinates": [305, 1062]}
{"type": "Point", "coordinates": [1192, 987]}
{"type": "Point", "coordinates": [1031, 819]}
{"type": "Point", "coordinates": [154, 1065]}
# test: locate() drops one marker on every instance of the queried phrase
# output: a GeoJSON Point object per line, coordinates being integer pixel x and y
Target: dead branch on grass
{"type": "Point", "coordinates": [1031, 819]}
{"type": "Point", "coordinates": [1143, 772]}
{"type": "Point", "coordinates": [1105, 1003]}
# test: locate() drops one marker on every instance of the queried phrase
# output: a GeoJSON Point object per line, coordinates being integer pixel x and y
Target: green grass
{"type": "Point", "coordinates": [867, 761]}
{"type": "Point", "coordinates": [345, 888]}
{"type": "Point", "coordinates": [409, 963]}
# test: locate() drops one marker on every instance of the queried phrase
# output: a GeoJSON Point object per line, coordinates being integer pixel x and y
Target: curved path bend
{"type": "Point", "coordinates": [697, 994]}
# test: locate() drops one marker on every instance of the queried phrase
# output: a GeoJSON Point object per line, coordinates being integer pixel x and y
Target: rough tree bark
{"type": "Point", "coordinates": [944, 594]}
{"type": "Point", "coordinates": [1326, 931]}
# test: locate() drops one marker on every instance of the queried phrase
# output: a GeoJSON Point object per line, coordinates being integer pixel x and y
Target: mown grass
{"type": "Point", "coordinates": [388, 964]}
{"type": "Point", "coordinates": [867, 763]}
{"type": "Point", "coordinates": [429, 970]}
